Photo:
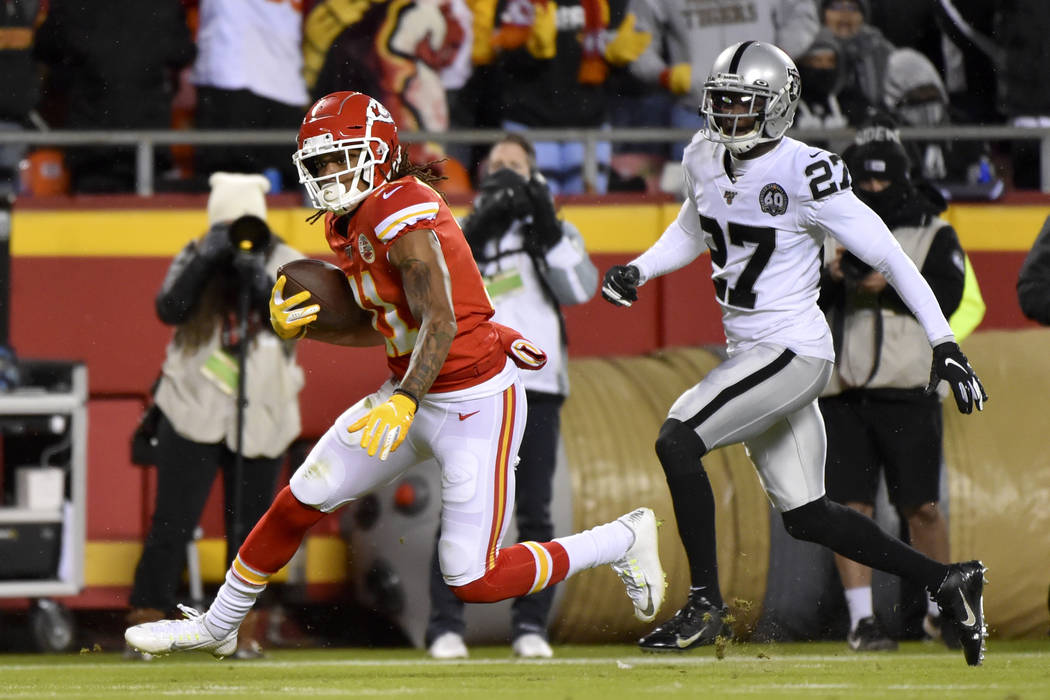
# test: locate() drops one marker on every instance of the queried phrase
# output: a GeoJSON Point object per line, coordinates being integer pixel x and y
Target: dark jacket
{"type": "Point", "coordinates": [1033, 282]}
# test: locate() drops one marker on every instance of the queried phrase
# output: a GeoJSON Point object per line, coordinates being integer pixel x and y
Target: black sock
{"type": "Point", "coordinates": [858, 537]}
{"type": "Point", "coordinates": [680, 450]}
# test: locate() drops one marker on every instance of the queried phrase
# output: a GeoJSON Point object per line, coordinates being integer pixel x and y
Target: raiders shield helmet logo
{"type": "Point", "coordinates": [773, 200]}
{"type": "Point", "coordinates": [364, 246]}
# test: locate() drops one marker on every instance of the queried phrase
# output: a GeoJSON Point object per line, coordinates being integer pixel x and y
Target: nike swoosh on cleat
{"type": "Point", "coordinates": [464, 416]}
{"type": "Point", "coordinates": [649, 606]}
{"type": "Point", "coordinates": [683, 643]}
{"type": "Point", "coordinates": [971, 619]}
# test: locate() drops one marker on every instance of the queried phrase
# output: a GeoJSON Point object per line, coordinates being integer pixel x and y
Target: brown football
{"type": "Point", "coordinates": [328, 287]}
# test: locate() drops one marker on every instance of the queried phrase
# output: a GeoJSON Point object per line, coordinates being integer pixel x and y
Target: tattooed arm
{"type": "Point", "coordinates": [428, 290]}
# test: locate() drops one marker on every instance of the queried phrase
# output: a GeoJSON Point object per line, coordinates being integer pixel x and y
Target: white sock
{"type": "Point", "coordinates": [859, 602]}
{"type": "Point", "coordinates": [602, 544]}
{"type": "Point", "coordinates": [235, 598]}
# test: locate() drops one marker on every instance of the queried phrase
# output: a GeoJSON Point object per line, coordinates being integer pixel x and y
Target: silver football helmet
{"type": "Point", "coordinates": [750, 96]}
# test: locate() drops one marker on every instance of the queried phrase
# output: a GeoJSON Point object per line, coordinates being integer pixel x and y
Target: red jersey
{"type": "Point", "coordinates": [361, 242]}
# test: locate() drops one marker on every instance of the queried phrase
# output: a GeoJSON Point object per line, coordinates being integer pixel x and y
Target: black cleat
{"type": "Point", "coordinates": [961, 599]}
{"type": "Point", "coordinates": [869, 636]}
{"type": "Point", "coordinates": [698, 623]}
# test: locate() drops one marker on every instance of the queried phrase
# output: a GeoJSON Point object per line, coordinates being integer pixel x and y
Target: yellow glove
{"type": "Point", "coordinates": [628, 44]}
{"type": "Point", "coordinates": [393, 417]}
{"type": "Point", "coordinates": [287, 321]}
{"type": "Point", "coordinates": [542, 41]}
{"type": "Point", "coordinates": [678, 78]}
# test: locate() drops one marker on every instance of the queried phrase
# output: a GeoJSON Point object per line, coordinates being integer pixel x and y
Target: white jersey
{"type": "Point", "coordinates": [765, 224]}
{"type": "Point", "coordinates": [253, 45]}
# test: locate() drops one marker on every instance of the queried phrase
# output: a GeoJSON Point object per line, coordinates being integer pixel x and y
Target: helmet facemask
{"type": "Point", "coordinates": [358, 158]}
{"type": "Point", "coordinates": [739, 131]}
{"type": "Point", "coordinates": [750, 96]}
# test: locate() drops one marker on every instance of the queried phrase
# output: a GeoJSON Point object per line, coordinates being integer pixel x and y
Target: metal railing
{"type": "Point", "coordinates": [145, 142]}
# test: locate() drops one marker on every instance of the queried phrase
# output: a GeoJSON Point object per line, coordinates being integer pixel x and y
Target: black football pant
{"type": "Point", "coordinates": [185, 473]}
{"type": "Point", "coordinates": [532, 499]}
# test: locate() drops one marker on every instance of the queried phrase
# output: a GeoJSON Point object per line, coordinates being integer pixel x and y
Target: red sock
{"type": "Point", "coordinates": [523, 568]}
{"type": "Point", "coordinates": [279, 532]}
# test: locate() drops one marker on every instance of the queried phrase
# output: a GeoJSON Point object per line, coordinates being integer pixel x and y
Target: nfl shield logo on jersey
{"type": "Point", "coordinates": [368, 253]}
{"type": "Point", "coordinates": [773, 200]}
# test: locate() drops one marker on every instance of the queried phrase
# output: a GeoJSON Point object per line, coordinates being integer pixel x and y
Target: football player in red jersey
{"type": "Point", "coordinates": [453, 395]}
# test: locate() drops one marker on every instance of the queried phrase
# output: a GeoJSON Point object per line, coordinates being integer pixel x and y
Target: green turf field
{"type": "Point", "coordinates": [1012, 671]}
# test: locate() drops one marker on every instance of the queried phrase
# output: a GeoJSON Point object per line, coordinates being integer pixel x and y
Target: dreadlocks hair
{"type": "Point", "coordinates": [427, 172]}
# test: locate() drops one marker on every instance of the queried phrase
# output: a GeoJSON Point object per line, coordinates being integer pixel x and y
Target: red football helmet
{"type": "Point", "coordinates": [355, 131]}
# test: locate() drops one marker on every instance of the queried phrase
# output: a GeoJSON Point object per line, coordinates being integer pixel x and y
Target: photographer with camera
{"type": "Point", "coordinates": [532, 264]}
{"type": "Point", "coordinates": [880, 416]}
{"type": "Point", "coordinates": [216, 294]}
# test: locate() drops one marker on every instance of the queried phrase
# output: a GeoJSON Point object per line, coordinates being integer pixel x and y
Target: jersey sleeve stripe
{"type": "Point", "coordinates": [389, 227]}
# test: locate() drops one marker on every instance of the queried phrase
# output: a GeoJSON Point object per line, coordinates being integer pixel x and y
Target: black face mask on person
{"type": "Point", "coordinates": [817, 83]}
{"type": "Point", "coordinates": [890, 203]}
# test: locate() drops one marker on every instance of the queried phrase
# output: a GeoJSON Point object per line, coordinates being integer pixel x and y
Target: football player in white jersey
{"type": "Point", "coordinates": [763, 203]}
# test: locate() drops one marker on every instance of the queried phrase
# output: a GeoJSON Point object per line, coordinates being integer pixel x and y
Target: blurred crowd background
{"type": "Point", "coordinates": [449, 65]}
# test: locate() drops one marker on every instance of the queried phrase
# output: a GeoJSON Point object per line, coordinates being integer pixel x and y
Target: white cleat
{"type": "Point", "coordinates": [532, 646]}
{"type": "Point", "coordinates": [448, 646]}
{"type": "Point", "coordinates": [166, 636]}
{"type": "Point", "coordinates": [640, 568]}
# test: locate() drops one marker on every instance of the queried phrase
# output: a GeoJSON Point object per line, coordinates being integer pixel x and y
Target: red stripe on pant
{"type": "Point", "coordinates": [513, 575]}
{"type": "Point", "coordinates": [279, 532]}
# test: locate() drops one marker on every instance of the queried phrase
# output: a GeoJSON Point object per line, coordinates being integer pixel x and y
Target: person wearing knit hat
{"type": "Point", "coordinates": [197, 430]}
{"type": "Point", "coordinates": [234, 195]}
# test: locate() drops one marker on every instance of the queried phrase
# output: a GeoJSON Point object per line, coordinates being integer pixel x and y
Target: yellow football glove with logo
{"type": "Point", "coordinates": [289, 322]}
{"type": "Point", "coordinates": [387, 424]}
{"type": "Point", "coordinates": [628, 44]}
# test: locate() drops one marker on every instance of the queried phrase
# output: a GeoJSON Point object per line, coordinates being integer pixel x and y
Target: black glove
{"type": "Point", "coordinates": [951, 365]}
{"type": "Point", "coordinates": [621, 285]}
{"type": "Point", "coordinates": [545, 231]}
{"type": "Point", "coordinates": [501, 199]}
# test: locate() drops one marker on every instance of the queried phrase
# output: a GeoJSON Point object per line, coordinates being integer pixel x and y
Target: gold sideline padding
{"type": "Point", "coordinates": [998, 470]}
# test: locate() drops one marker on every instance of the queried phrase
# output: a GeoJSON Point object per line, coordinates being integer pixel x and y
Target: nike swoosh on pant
{"type": "Point", "coordinates": [971, 619]}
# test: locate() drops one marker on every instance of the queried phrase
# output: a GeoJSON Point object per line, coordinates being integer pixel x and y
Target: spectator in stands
{"type": "Point", "coordinates": [1033, 282]}
{"type": "Point", "coordinates": [114, 62]}
{"type": "Point", "coordinates": [400, 52]}
{"type": "Point", "coordinates": [18, 22]}
{"type": "Point", "coordinates": [880, 419]}
{"type": "Point", "coordinates": [532, 264]}
{"type": "Point", "coordinates": [825, 102]}
{"type": "Point", "coordinates": [687, 36]}
{"type": "Point", "coordinates": [249, 75]}
{"type": "Point", "coordinates": [550, 56]}
{"type": "Point", "coordinates": [197, 392]}
{"type": "Point", "coordinates": [865, 50]}
{"type": "Point", "coordinates": [946, 33]}
{"type": "Point", "coordinates": [1020, 30]}
{"type": "Point", "coordinates": [915, 96]}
